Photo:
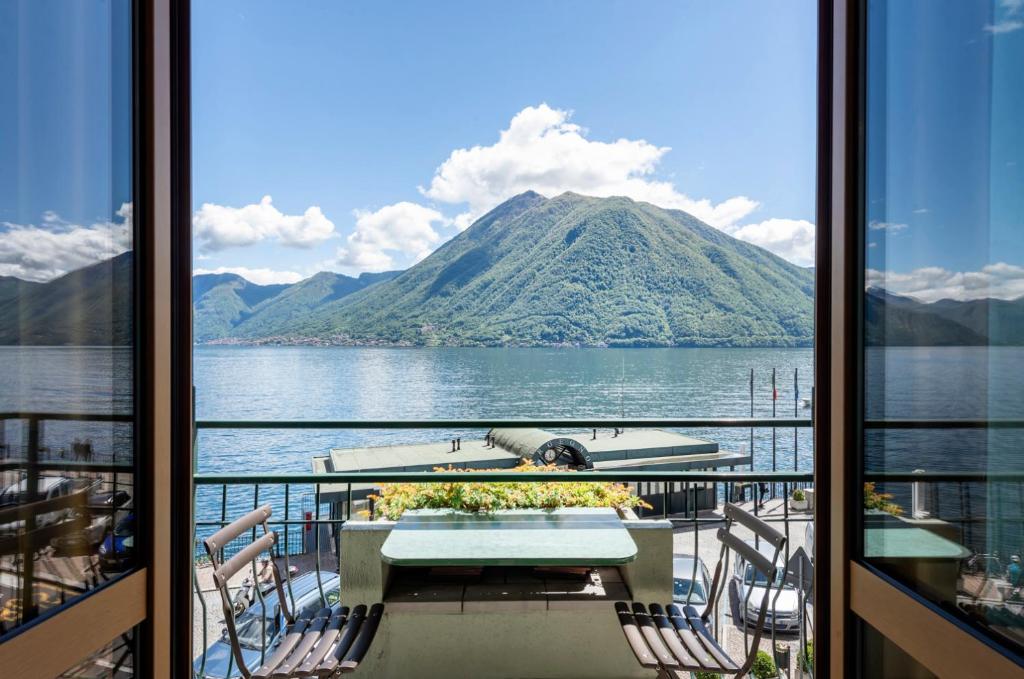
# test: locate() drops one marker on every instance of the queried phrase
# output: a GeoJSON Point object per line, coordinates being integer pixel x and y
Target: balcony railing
{"type": "Point", "coordinates": [296, 498]}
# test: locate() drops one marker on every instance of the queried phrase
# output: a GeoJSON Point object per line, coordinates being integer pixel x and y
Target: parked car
{"type": "Point", "coordinates": [251, 624]}
{"type": "Point", "coordinates": [118, 546]}
{"type": "Point", "coordinates": [783, 610]}
{"type": "Point", "coordinates": [48, 488]}
{"type": "Point", "coordinates": [688, 587]}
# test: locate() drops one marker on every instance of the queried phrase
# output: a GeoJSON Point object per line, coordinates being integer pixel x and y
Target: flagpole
{"type": "Point", "coordinates": [751, 417]}
{"type": "Point", "coordinates": [796, 414]}
{"type": "Point", "coordinates": [775, 396]}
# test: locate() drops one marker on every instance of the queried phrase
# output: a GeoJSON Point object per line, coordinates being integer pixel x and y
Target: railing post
{"type": "Point", "coordinates": [28, 606]}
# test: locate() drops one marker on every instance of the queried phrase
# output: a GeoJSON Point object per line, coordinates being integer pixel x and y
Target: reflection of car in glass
{"type": "Point", "coordinates": [48, 488]}
{"type": "Point", "coordinates": [686, 588]}
{"type": "Point", "coordinates": [784, 610]}
{"type": "Point", "coordinates": [118, 546]}
{"type": "Point", "coordinates": [261, 624]}
{"type": "Point", "coordinates": [86, 540]}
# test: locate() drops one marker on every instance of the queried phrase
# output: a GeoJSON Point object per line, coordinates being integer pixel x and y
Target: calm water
{"type": "Point", "coordinates": [380, 383]}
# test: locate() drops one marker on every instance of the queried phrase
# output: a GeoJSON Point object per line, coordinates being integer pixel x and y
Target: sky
{"type": "Point", "coordinates": [360, 136]}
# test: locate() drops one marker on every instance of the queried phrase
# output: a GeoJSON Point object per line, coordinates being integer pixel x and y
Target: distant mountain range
{"type": "Point", "coordinates": [569, 270]}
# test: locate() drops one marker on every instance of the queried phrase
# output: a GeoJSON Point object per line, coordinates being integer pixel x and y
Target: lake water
{"type": "Point", "coordinates": [423, 383]}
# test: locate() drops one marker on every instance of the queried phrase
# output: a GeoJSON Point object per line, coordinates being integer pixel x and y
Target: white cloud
{"type": "Point", "coordinates": [35, 253]}
{"type": "Point", "coordinates": [542, 151]}
{"type": "Point", "coordinates": [216, 227]}
{"type": "Point", "coordinates": [891, 227]}
{"type": "Point", "coordinates": [928, 284]}
{"type": "Point", "coordinates": [402, 228]}
{"type": "Point", "coordinates": [791, 239]}
{"type": "Point", "coordinates": [921, 211]}
{"type": "Point", "coordinates": [257, 276]}
{"type": "Point", "coordinates": [1005, 26]}
{"type": "Point", "coordinates": [1010, 20]}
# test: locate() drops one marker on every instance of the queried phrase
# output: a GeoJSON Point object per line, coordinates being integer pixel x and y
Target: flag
{"type": "Point", "coordinates": [775, 394]}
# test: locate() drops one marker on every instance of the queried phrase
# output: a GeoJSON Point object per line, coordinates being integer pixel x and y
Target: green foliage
{"type": "Point", "coordinates": [764, 666]}
{"type": "Point", "coordinates": [805, 659]}
{"type": "Point", "coordinates": [570, 270]}
{"type": "Point", "coordinates": [707, 675]}
{"type": "Point", "coordinates": [395, 498]}
{"type": "Point", "coordinates": [799, 495]}
{"type": "Point", "coordinates": [880, 501]}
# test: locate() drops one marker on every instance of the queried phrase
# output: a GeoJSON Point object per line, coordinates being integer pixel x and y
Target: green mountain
{"type": "Point", "coordinates": [91, 306]}
{"type": "Point", "coordinates": [222, 301]}
{"type": "Point", "coordinates": [276, 315]}
{"type": "Point", "coordinates": [583, 271]}
{"type": "Point", "coordinates": [894, 320]}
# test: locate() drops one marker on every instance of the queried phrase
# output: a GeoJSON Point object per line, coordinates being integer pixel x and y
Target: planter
{"type": "Point", "coordinates": [798, 505]}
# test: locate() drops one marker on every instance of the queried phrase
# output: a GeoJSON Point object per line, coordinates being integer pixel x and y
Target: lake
{"type": "Point", "coordinates": [312, 383]}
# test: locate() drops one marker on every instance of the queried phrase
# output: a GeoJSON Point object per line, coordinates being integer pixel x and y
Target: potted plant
{"type": "Point", "coordinates": [798, 501]}
{"type": "Point", "coordinates": [764, 666]}
{"type": "Point", "coordinates": [782, 655]}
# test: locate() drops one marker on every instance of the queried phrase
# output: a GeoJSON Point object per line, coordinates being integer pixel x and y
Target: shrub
{"type": "Point", "coordinates": [470, 496]}
{"type": "Point", "coordinates": [799, 495]}
{"type": "Point", "coordinates": [764, 666]}
{"type": "Point", "coordinates": [805, 659]}
{"type": "Point", "coordinates": [707, 675]}
{"type": "Point", "coordinates": [880, 501]}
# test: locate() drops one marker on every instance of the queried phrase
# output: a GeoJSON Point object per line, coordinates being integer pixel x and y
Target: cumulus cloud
{"type": "Point", "coordinates": [542, 151]}
{"type": "Point", "coordinates": [932, 283]}
{"type": "Point", "coordinates": [216, 227]}
{"type": "Point", "coordinates": [402, 228]}
{"type": "Point", "coordinates": [42, 253]}
{"type": "Point", "coordinates": [791, 239]}
{"type": "Point", "coordinates": [257, 276]}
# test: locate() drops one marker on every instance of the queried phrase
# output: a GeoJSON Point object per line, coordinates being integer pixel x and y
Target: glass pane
{"type": "Point", "coordinates": [943, 306]}
{"type": "Point", "coordinates": [66, 316]}
{"type": "Point", "coordinates": [882, 659]}
{"type": "Point", "coordinates": [116, 660]}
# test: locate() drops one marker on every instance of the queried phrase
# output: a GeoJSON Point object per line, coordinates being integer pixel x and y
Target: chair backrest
{"type": "Point", "coordinates": [223, 570]}
{"type": "Point", "coordinates": [761, 563]}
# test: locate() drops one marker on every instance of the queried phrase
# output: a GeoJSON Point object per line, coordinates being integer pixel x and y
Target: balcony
{"type": "Point", "coordinates": [491, 615]}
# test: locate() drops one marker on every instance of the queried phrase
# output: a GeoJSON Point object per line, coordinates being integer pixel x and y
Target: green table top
{"type": "Point", "coordinates": [519, 537]}
{"type": "Point", "coordinates": [909, 542]}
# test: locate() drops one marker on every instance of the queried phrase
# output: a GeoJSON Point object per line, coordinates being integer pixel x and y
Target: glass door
{"type": "Point", "coordinates": [937, 491]}
{"type": "Point", "coordinates": [72, 503]}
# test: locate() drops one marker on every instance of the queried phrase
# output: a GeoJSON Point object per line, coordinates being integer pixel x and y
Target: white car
{"type": "Point", "coordinates": [783, 611]}
{"type": "Point", "coordinates": [49, 488]}
{"type": "Point", "coordinates": [690, 585]}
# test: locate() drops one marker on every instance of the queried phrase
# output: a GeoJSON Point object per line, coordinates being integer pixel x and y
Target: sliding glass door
{"type": "Point", "coordinates": [72, 500]}
{"type": "Point", "coordinates": [937, 492]}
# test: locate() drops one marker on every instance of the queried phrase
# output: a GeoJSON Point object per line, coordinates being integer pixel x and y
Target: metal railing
{"type": "Point", "coordinates": [687, 518]}
{"type": "Point", "coordinates": [684, 515]}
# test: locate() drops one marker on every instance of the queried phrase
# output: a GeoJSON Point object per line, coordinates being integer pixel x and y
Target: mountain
{"type": "Point", "coordinates": [222, 301]}
{"type": "Point", "coordinates": [579, 270]}
{"type": "Point", "coordinates": [895, 320]}
{"type": "Point", "coordinates": [275, 315]}
{"type": "Point", "coordinates": [1000, 321]}
{"type": "Point", "coordinates": [88, 306]}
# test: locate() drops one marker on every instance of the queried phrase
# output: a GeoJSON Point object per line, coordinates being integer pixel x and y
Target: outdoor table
{"type": "Point", "coordinates": [571, 536]}
{"type": "Point", "coordinates": [910, 542]}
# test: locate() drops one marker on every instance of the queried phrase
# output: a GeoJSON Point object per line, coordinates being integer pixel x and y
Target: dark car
{"type": "Point", "coordinates": [118, 546]}
{"type": "Point", "coordinates": [263, 625]}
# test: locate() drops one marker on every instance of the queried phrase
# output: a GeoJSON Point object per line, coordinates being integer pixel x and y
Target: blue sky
{"type": "Point", "coordinates": [360, 136]}
{"type": "Point", "coordinates": [353, 107]}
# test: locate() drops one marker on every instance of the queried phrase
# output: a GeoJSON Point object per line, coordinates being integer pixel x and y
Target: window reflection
{"type": "Point", "coordinates": [67, 490]}
{"type": "Point", "coordinates": [944, 307]}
